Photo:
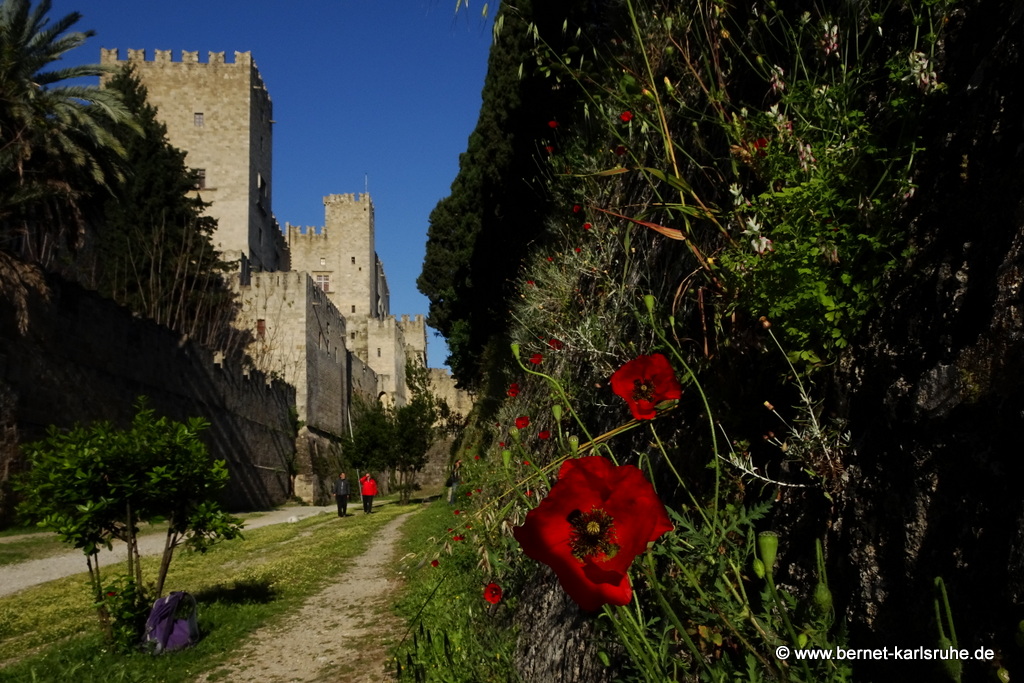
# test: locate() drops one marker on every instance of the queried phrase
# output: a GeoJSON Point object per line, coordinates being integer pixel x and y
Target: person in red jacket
{"type": "Point", "coordinates": [369, 490]}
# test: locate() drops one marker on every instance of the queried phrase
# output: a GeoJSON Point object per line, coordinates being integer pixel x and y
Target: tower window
{"type": "Point", "coordinates": [261, 328]}
{"type": "Point", "coordinates": [324, 282]}
{"type": "Point", "coordinates": [378, 352]}
{"type": "Point", "coordinates": [198, 119]}
{"type": "Point", "coordinates": [353, 309]}
{"type": "Point", "coordinates": [323, 261]}
{"type": "Point", "coordinates": [200, 179]}
{"type": "Point", "coordinates": [353, 260]}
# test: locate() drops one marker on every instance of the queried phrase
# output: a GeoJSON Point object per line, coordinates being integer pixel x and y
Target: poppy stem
{"type": "Point", "coordinates": [558, 388]}
{"type": "Point", "coordinates": [707, 409]}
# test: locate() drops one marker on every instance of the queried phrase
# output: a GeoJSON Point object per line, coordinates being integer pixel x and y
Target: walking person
{"type": "Point", "coordinates": [341, 493]}
{"type": "Point", "coordinates": [453, 481]}
{"type": "Point", "coordinates": [369, 490]}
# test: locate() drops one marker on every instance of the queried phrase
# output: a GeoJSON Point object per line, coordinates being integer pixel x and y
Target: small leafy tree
{"type": "Point", "coordinates": [369, 445]}
{"type": "Point", "coordinates": [93, 485]}
{"type": "Point", "coordinates": [399, 438]}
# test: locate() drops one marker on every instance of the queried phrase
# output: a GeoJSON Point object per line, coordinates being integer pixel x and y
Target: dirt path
{"type": "Point", "coordinates": [340, 634]}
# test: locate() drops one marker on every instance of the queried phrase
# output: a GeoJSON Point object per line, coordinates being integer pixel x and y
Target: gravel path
{"type": "Point", "coordinates": [16, 577]}
{"type": "Point", "coordinates": [339, 634]}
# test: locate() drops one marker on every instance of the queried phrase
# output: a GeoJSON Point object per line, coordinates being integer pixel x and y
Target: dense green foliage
{"type": "Point", "coordinates": [727, 188]}
{"type": "Point", "coordinates": [56, 147]}
{"type": "Point", "coordinates": [95, 484]}
{"type": "Point", "coordinates": [498, 202]}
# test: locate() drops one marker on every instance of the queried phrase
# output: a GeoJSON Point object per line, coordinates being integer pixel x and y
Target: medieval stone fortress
{"type": "Point", "coordinates": [316, 300]}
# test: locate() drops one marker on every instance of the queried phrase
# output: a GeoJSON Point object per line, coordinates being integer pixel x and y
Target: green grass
{"type": "Point", "coordinates": [452, 634]}
{"type": "Point", "coordinates": [51, 633]}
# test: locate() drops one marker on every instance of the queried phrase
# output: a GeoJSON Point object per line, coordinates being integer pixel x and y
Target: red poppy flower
{"type": "Point", "coordinates": [552, 124]}
{"type": "Point", "coordinates": [492, 593]}
{"type": "Point", "coordinates": [620, 150]}
{"type": "Point", "coordinates": [460, 537]}
{"type": "Point", "coordinates": [626, 116]}
{"type": "Point", "coordinates": [544, 434]}
{"type": "Point", "coordinates": [644, 382]}
{"type": "Point", "coordinates": [457, 512]}
{"type": "Point", "coordinates": [434, 563]}
{"type": "Point", "coordinates": [549, 149]}
{"type": "Point", "coordinates": [587, 226]}
{"type": "Point", "coordinates": [501, 444]}
{"type": "Point", "coordinates": [536, 358]}
{"type": "Point", "coordinates": [551, 258]}
{"type": "Point", "coordinates": [530, 282]}
{"type": "Point", "coordinates": [591, 526]}
{"type": "Point", "coordinates": [522, 422]}
{"type": "Point", "coordinates": [577, 250]}
{"type": "Point", "coordinates": [513, 389]}
{"type": "Point", "coordinates": [476, 457]}
{"type": "Point", "coordinates": [526, 462]}
{"type": "Point", "coordinates": [556, 344]}
{"type": "Point", "coordinates": [576, 208]}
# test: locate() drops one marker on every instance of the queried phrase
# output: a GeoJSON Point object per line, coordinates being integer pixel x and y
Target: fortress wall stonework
{"type": "Point", "coordinates": [220, 114]}
{"type": "Point", "coordinates": [84, 358]}
{"type": "Point", "coordinates": [349, 221]}
{"type": "Point", "coordinates": [316, 300]}
{"type": "Point", "coordinates": [386, 351]}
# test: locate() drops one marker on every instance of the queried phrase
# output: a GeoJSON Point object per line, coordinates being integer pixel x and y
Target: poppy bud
{"type": "Point", "coordinates": [506, 457]}
{"type": "Point", "coordinates": [758, 566]}
{"type": "Point", "coordinates": [574, 444]}
{"type": "Point", "coordinates": [801, 641]}
{"type": "Point", "coordinates": [1003, 675]}
{"type": "Point", "coordinates": [556, 410]}
{"type": "Point", "coordinates": [515, 351]}
{"type": "Point", "coordinates": [767, 547]}
{"type": "Point", "coordinates": [822, 597]}
{"type": "Point", "coordinates": [953, 667]}
{"type": "Point", "coordinates": [649, 303]}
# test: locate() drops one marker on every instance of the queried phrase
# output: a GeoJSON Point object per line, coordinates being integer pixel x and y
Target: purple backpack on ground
{"type": "Point", "coordinates": [165, 630]}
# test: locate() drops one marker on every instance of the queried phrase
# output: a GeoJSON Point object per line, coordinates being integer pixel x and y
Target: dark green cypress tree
{"type": "Point", "coordinates": [499, 202]}
{"type": "Point", "coordinates": [154, 251]}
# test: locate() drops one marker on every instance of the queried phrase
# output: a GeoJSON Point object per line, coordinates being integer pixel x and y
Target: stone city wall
{"type": "Point", "coordinates": [83, 358]}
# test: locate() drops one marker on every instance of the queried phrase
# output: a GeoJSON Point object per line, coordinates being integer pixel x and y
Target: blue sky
{"type": "Point", "coordinates": [384, 90]}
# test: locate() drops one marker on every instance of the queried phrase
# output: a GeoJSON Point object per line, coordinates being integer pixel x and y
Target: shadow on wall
{"type": "Point", "coordinates": [82, 358]}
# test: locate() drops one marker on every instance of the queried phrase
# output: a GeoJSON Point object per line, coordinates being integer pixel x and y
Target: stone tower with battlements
{"type": "Point", "coordinates": [341, 257]}
{"type": "Point", "coordinates": [220, 114]}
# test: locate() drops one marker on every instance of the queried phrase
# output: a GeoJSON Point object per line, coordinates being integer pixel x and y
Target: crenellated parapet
{"type": "Point", "coordinates": [189, 59]}
{"type": "Point", "coordinates": [308, 232]}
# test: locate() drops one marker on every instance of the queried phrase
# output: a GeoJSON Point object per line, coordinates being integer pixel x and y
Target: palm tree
{"type": "Point", "coordinates": [57, 145]}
